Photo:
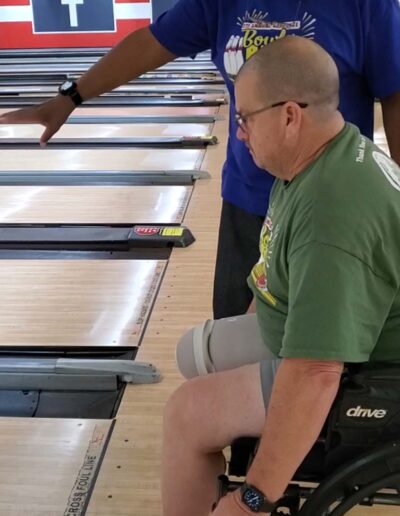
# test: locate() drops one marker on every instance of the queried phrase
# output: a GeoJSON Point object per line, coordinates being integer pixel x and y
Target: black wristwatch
{"type": "Point", "coordinates": [70, 89]}
{"type": "Point", "coordinates": [255, 500]}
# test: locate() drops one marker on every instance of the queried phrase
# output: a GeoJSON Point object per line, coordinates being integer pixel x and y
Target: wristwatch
{"type": "Point", "coordinates": [70, 89]}
{"type": "Point", "coordinates": [255, 500]}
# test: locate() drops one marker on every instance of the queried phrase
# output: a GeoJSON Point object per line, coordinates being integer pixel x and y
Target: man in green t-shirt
{"type": "Point", "coordinates": [326, 289]}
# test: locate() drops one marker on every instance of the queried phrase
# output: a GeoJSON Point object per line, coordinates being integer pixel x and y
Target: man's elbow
{"type": "Point", "coordinates": [322, 373]}
{"type": "Point", "coordinates": [326, 374]}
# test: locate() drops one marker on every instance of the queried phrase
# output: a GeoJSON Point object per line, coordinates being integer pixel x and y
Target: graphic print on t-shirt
{"type": "Point", "coordinates": [257, 30]}
{"type": "Point", "coordinates": [269, 233]}
{"type": "Point", "coordinates": [389, 168]}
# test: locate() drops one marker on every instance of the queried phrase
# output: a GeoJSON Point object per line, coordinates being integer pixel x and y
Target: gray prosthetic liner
{"type": "Point", "coordinates": [220, 345]}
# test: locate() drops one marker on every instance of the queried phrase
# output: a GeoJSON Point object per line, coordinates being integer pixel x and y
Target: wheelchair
{"type": "Point", "coordinates": [355, 462]}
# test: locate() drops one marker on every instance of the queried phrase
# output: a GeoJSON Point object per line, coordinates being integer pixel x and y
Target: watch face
{"type": "Point", "coordinates": [252, 499]}
{"type": "Point", "coordinates": [66, 85]}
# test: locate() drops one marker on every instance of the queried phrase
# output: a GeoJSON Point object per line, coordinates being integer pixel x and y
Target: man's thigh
{"type": "Point", "coordinates": [220, 407]}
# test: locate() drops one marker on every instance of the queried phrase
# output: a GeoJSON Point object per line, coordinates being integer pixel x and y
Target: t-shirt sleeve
{"type": "Point", "coordinates": [337, 305]}
{"type": "Point", "coordinates": [187, 28]}
{"type": "Point", "coordinates": [382, 55]}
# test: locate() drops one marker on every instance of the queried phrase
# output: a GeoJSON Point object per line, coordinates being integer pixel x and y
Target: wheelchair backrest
{"type": "Point", "coordinates": [367, 409]}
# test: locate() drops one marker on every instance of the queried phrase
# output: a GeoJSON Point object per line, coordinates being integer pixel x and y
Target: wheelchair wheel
{"type": "Point", "coordinates": [373, 479]}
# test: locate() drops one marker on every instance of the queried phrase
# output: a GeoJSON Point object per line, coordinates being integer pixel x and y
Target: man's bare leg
{"type": "Point", "coordinates": [201, 418]}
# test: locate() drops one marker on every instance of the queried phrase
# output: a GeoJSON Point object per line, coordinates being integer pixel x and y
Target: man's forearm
{"type": "Point", "coordinates": [136, 54]}
{"type": "Point", "coordinates": [391, 122]}
{"type": "Point", "coordinates": [302, 396]}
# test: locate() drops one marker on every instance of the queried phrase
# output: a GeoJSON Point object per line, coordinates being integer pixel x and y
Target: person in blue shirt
{"type": "Point", "coordinates": [363, 37]}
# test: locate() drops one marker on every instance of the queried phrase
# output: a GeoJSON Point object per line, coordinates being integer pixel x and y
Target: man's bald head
{"type": "Point", "coordinates": [295, 68]}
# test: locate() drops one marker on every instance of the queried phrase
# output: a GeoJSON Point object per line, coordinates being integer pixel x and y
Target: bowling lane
{"type": "Point", "coordinates": [108, 159]}
{"type": "Point", "coordinates": [17, 68]}
{"type": "Point", "coordinates": [49, 466]}
{"type": "Point", "coordinates": [93, 204]}
{"type": "Point", "coordinates": [128, 88]}
{"type": "Point", "coordinates": [76, 303]}
{"type": "Point", "coordinates": [141, 111]}
{"type": "Point", "coordinates": [109, 131]}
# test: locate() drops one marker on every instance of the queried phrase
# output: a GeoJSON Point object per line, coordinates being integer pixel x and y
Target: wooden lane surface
{"type": "Point", "coordinates": [184, 300]}
{"type": "Point", "coordinates": [93, 204]}
{"type": "Point", "coordinates": [20, 69]}
{"type": "Point", "coordinates": [76, 303]}
{"type": "Point", "coordinates": [108, 131]}
{"type": "Point", "coordinates": [141, 111]}
{"type": "Point", "coordinates": [100, 159]}
{"type": "Point", "coordinates": [124, 99]}
{"type": "Point", "coordinates": [80, 58]}
{"type": "Point", "coordinates": [178, 88]}
{"type": "Point", "coordinates": [48, 466]}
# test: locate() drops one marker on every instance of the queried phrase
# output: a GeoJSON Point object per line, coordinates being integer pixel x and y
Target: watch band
{"type": "Point", "coordinates": [76, 98]}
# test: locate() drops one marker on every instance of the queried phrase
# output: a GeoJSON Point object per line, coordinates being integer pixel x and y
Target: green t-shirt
{"type": "Point", "coordinates": [327, 283]}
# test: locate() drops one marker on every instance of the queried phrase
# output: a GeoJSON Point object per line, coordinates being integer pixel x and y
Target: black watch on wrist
{"type": "Point", "coordinates": [70, 89]}
{"type": "Point", "coordinates": [255, 500]}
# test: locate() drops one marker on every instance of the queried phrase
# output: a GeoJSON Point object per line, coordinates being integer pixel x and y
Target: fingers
{"type": "Point", "coordinates": [52, 114]}
{"type": "Point", "coordinates": [46, 135]}
{"type": "Point", "coordinates": [21, 116]}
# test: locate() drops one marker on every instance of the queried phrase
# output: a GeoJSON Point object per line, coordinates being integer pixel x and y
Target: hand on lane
{"type": "Point", "coordinates": [52, 114]}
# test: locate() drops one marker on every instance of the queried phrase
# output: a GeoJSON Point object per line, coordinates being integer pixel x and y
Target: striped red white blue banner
{"type": "Point", "coordinates": [70, 23]}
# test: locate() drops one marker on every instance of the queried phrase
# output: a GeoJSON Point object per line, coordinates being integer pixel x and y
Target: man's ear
{"type": "Point", "coordinates": [293, 115]}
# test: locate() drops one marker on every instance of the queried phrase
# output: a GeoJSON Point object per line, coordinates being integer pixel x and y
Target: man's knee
{"type": "Point", "coordinates": [180, 412]}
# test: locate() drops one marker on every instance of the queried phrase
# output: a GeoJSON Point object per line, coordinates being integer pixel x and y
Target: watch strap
{"type": "Point", "coordinates": [76, 97]}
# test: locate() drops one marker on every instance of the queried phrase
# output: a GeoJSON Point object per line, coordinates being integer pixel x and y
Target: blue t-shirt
{"type": "Point", "coordinates": [363, 36]}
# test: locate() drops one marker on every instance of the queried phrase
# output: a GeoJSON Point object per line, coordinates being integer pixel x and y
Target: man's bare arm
{"type": "Point", "coordinates": [391, 122]}
{"type": "Point", "coordinates": [303, 393]}
{"type": "Point", "coordinates": [138, 53]}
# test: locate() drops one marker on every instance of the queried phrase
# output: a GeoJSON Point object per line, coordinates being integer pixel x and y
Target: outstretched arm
{"type": "Point", "coordinates": [138, 53]}
{"type": "Point", "coordinates": [391, 122]}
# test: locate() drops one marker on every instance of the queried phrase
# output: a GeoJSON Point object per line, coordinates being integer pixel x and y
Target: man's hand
{"type": "Point", "coordinates": [231, 505]}
{"type": "Point", "coordinates": [52, 114]}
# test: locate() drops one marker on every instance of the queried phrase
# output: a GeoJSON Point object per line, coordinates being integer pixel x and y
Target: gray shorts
{"type": "Point", "coordinates": [224, 344]}
{"type": "Point", "coordinates": [268, 369]}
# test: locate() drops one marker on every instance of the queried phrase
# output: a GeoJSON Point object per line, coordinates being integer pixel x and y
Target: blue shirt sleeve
{"type": "Point", "coordinates": [382, 57]}
{"type": "Point", "coordinates": [187, 28]}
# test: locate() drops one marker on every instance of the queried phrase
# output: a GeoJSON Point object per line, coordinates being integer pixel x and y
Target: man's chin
{"type": "Point", "coordinates": [259, 165]}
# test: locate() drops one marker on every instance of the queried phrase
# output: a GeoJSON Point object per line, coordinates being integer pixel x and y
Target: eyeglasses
{"type": "Point", "coordinates": [241, 120]}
